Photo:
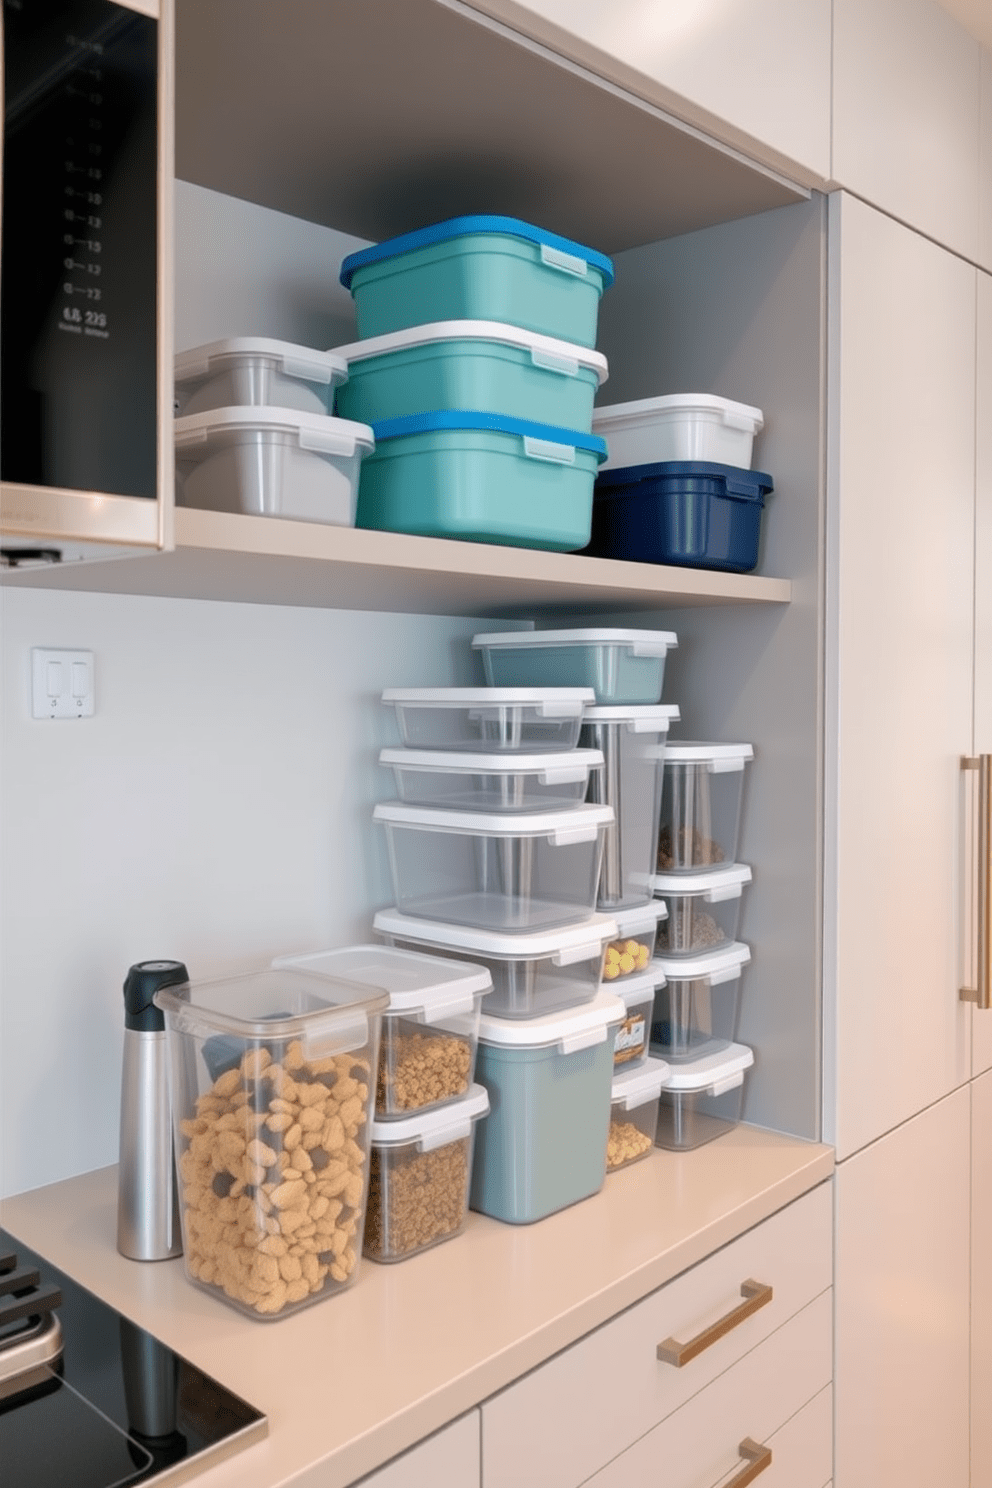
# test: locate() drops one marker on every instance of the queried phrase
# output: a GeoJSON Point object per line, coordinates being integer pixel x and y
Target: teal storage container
{"type": "Point", "coordinates": [479, 268]}
{"type": "Point", "coordinates": [481, 478]}
{"type": "Point", "coordinates": [476, 365]}
{"type": "Point", "coordinates": [621, 666]}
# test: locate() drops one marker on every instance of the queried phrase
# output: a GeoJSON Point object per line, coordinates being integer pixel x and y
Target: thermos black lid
{"type": "Point", "coordinates": [140, 985]}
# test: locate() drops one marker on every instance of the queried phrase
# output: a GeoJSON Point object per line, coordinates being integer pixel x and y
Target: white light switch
{"type": "Point", "coordinates": [61, 683]}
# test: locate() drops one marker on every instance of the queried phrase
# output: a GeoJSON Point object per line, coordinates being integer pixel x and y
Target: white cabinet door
{"type": "Point", "coordinates": [982, 1025]}
{"type": "Point", "coordinates": [451, 1457]}
{"type": "Point", "coordinates": [899, 671]}
{"type": "Point", "coordinates": [985, 167]}
{"type": "Point", "coordinates": [901, 1292]}
{"type": "Point", "coordinates": [981, 1280]}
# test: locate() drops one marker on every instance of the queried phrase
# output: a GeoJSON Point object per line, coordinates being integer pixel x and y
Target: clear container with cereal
{"type": "Point", "coordinates": [272, 1085]}
{"type": "Point", "coordinates": [621, 666]}
{"type": "Point", "coordinates": [637, 993]}
{"type": "Point", "coordinates": [704, 909]}
{"type": "Point", "coordinates": [471, 781]}
{"type": "Point", "coordinates": [489, 719]}
{"type": "Point", "coordinates": [704, 1098]}
{"type": "Point", "coordinates": [634, 1113]}
{"type": "Point", "coordinates": [701, 805]}
{"type": "Point", "coordinates": [698, 1002]}
{"type": "Point", "coordinates": [638, 931]}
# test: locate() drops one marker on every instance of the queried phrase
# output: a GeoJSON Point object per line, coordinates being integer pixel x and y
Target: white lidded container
{"type": "Point", "coordinates": [621, 666]}
{"type": "Point", "coordinates": [638, 930]}
{"type": "Point", "coordinates": [252, 371]}
{"type": "Point", "coordinates": [637, 994]}
{"type": "Point", "coordinates": [543, 1145]}
{"type": "Point", "coordinates": [271, 462]}
{"type": "Point", "coordinates": [533, 974]}
{"type": "Point", "coordinates": [632, 742]}
{"type": "Point", "coordinates": [419, 1174]}
{"type": "Point", "coordinates": [699, 1000]}
{"type": "Point", "coordinates": [704, 909]}
{"type": "Point", "coordinates": [495, 871]}
{"type": "Point", "coordinates": [489, 719]}
{"type": "Point", "coordinates": [472, 781]}
{"type": "Point", "coordinates": [430, 1028]}
{"type": "Point", "coordinates": [679, 426]}
{"type": "Point", "coordinates": [703, 1098]}
{"type": "Point", "coordinates": [701, 799]}
{"type": "Point", "coordinates": [634, 1113]}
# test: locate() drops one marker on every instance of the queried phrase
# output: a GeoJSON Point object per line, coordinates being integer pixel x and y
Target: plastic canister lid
{"type": "Point", "coordinates": [638, 986]}
{"type": "Point", "coordinates": [432, 984]}
{"type": "Point", "coordinates": [713, 884]}
{"type": "Point", "coordinates": [476, 225]}
{"type": "Point", "coordinates": [575, 824]}
{"type": "Point", "coordinates": [304, 362]}
{"type": "Point", "coordinates": [554, 702]}
{"type": "Point", "coordinates": [444, 420]}
{"type": "Point", "coordinates": [567, 945]}
{"type": "Point", "coordinates": [641, 718]}
{"type": "Point", "coordinates": [644, 1082]}
{"type": "Point", "coordinates": [702, 476]}
{"type": "Point", "coordinates": [722, 965]}
{"type": "Point", "coordinates": [313, 431]}
{"type": "Point", "coordinates": [571, 1029]}
{"type": "Point", "coordinates": [719, 759]}
{"type": "Point", "coordinates": [563, 765]}
{"type": "Point", "coordinates": [643, 642]}
{"type": "Point", "coordinates": [740, 416]}
{"type": "Point", "coordinates": [434, 1128]}
{"type": "Point", "coordinates": [715, 1071]}
{"type": "Point", "coordinates": [546, 350]}
{"type": "Point", "coordinates": [640, 920]}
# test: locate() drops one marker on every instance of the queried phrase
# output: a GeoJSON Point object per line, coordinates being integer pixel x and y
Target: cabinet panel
{"type": "Point", "coordinates": [450, 1457]}
{"type": "Point", "coordinates": [981, 1280]}
{"type": "Point", "coordinates": [982, 744]}
{"type": "Point", "coordinates": [985, 166]}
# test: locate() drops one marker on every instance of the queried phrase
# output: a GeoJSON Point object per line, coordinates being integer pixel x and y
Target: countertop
{"type": "Point", "coordinates": [351, 1381]}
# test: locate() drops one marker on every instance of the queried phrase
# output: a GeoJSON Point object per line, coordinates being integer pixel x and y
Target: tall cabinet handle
{"type": "Point", "coordinates": [758, 1457]}
{"type": "Point", "coordinates": [673, 1352]}
{"type": "Point", "coordinates": [981, 995]}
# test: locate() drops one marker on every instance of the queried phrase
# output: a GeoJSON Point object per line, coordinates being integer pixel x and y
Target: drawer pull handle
{"type": "Point", "coordinates": [981, 994]}
{"type": "Point", "coordinates": [757, 1456]}
{"type": "Point", "coordinates": [756, 1294]}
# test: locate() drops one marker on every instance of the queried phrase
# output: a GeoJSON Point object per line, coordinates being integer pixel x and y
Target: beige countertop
{"type": "Point", "coordinates": [350, 1382]}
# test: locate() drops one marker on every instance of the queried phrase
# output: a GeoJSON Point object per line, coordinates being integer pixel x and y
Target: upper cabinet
{"type": "Point", "coordinates": [985, 167]}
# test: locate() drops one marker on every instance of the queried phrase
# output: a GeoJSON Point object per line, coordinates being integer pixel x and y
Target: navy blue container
{"type": "Point", "coordinates": [688, 512]}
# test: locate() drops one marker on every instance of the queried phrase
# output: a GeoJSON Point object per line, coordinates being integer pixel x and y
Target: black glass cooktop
{"type": "Point", "coordinates": [116, 1408]}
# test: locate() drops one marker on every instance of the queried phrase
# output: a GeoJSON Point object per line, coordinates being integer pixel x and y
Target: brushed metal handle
{"type": "Point", "coordinates": [981, 995]}
{"type": "Point", "coordinates": [756, 1293]}
{"type": "Point", "coordinates": [757, 1456]}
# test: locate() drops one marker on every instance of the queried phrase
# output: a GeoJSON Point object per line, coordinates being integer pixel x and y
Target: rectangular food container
{"type": "Point", "coordinates": [694, 514]}
{"type": "Point", "coordinates": [702, 1099]}
{"type": "Point", "coordinates": [272, 1086]}
{"type": "Point", "coordinates": [637, 932]}
{"type": "Point", "coordinates": [679, 426]}
{"type": "Point", "coordinates": [489, 719]}
{"type": "Point", "coordinates": [543, 1145]}
{"type": "Point", "coordinates": [481, 477]}
{"type": "Point", "coordinates": [252, 371]}
{"type": "Point", "coordinates": [430, 1028]}
{"type": "Point", "coordinates": [637, 993]}
{"type": "Point", "coordinates": [701, 797]}
{"type": "Point", "coordinates": [479, 268]}
{"type": "Point", "coordinates": [621, 666]}
{"type": "Point", "coordinates": [271, 462]}
{"type": "Point", "coordinates": [634, 1113]}
{"type": "Point", "coordinates": [478, 366]}
{"type": "Point", "coordinates": [491, 782]}
{"type": "Point", "coordinates": [704, 909]}
{"type": "Point", "coordinates": [533, 975]}
{"type": "Point", "coordinates": [510, 873]}
{"type": "Point", "coordinates": [419, 1176]}
{"type": "Point", "coordinates": [698, 1002]}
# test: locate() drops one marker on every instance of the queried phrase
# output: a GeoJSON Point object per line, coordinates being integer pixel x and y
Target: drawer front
{"type": "Point", "coordinates": [778, 1400]}
{"type": "Point", "coordinates": [557, 1425]}
{"type": "Point", "coordinates": [449, 1457]}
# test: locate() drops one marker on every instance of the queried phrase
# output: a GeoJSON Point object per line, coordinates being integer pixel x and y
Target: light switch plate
{"type": "Point", "coordinates": [61, 683]}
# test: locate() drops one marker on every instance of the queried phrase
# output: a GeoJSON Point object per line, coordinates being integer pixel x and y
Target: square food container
{"type": "Point", "coordinates": [419, 1177]}
{"type": "Point", "coordinates": [491, 782]}
{"type": "Point", "coordinates": [479, 268]}
{"type": "Point", "coordinates": [271, 462]}
{"type": "Point", "coordinates": [489, 719]}
{"type": "Point", "coordinates": [702, 1099]}
{"type": "Point", "coordinates": [430, 1028]}
{"type": "Point", "coordinates": [543, 1145]}
{"type": "Point", "coordinates": [699, 1001]}
{"type": "Point", "coordinates": [478, 366]}
{"type": "Point", "coordinates": [509, 873]}
{"type": "Point", "coordinates": [704, 909]}
{"type": "Point", "coordinates": [634, 1113]}
{"type": "Point", "coordinates": [679, 426]}
{"type": "Point", "coordinates": [637, 993]}
{"type": "Point", "coordinates": [637, 933]}
{"type": "Point", "coordinates": [481, 477]}
{"type": "Point", "coordinates": [252, 371]}
{"type": "Point", "coordinates": [632, 742]}
{"type": "Point", "coordinates": [701, 805]}
{"type": "Point", "coordinates": [621, 666]}
{"type": "Point", "coordinates": [272, 1089]}
{"type": "Point", "coordinates": [533, 975]}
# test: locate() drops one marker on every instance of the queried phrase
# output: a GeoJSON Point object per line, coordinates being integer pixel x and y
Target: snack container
{"type": "Point", "coordinates": [472, 781]}
{"type": "Point", "coordinates": [254, 371]}
{"type": "Point", "coordinates": [638, 930]}
{"type": "Point", "coordinates": [704, 909]}
{"type": "Point", "coordinates": [634, 1113]}
{"type": "Point", "coordinates": [698, 1001]}
{"type": "Point", "coordinates": [543, 1145]}
{"type": "Point", "coordinates": [419, 1176]}
{"type": "Point", "coordinates": [430, 1028]}
{"type": "Point", "coordinates": [637, 993]}
{"type": "Point", "coordinates": [679, 426]}
{"type": "Point", "coordinates": [533, 975]}
{"type": "Point", "coordinates": [621, 666]}
{"type": "Point", "coordinates": [701, 798]}
{"type": "Point", "coordinates": [489, 719]}
{"type": "Point", "coordinates": [271, 1076]}
{"type": "Point", "coordinates": [509, 873]}
{"type": "Point", "coordinates": [703, 1099]}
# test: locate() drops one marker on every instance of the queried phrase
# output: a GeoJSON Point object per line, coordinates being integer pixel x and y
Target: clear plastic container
{"type": "Point", "coordinates": [621, 666]}
{"type": "Point", "coordinates": [419, 1178]}
{"type": "Point", "coordinates": [491, 782]}
{"type": "Point", "coordinates": [533, 975]}
{"type": "Point", "coordinates": [703, 1099]}
{"type": "Point", "coordinates": [254, 371]}
{"type": "Point", "coordinates": [509, 873]}
{"type": "Point", "coordinates": [637, 993]}
{"type": "Point", "coordinates": [634, 1113]}
{"type": "Point", "coordinates": [704, 909]}
{"type": "Point", "coordinates": [638, 930]}
{"type": "Point", "coordinates": [489, 719]}
{"type": "Point", "coordinates": [632, 742]}
{"type": "Point", "coordinates": [679, 426]}
{"type": "Point", "coordinates": [701, 805]}
{"type": "Point", "coordinates": [698, 1002]}
{"type": "Point", "coordinates": [272, 1089]}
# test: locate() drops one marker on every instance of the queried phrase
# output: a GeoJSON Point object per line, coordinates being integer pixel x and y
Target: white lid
{"type": "Point", "coordinates": [560, 766]}
{"type": "Point", "coordinates": [718, 1069]}
{"type": "Point", "coordinates": [435, 1128]}
{"type": "Point", "coordinates": [570, 1028]}
{"type": "Point", "coordinates": [574, 824]}
{"type": "Point", "coordinates": [641, 918]}
{"type": "Point", "coordinates": [719, 758]}
{"type": "Point", "coordinates": [314, 431]}
{"type": "Point", "coordinates": [642, 642]}
{"type": "Point", "coordinates": [722, 965]}
{"type": "Point", "coordinates": [637, 986]}
{"type": "Point", "coordinates": [305, 362]}
{"type": "Point", "coordinates": [548, 351]}
{"type": "Point", "coordinates": [735, 415]}
{"type": "Point", "coordinates": [641, 718]}
{"type": "Point", "coordinates": [566, 945]}
{"type": "Point", "coordinates": [552, 702]}
{"type": "Point", "coordinates": [439, 987]}
{"type": "Point", "coordinates": [635, 1087]}
{"type": "Point", "coordinates": [713, 884]}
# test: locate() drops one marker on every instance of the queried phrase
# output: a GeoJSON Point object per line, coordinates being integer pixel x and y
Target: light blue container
{"type": "Point", "coordinates": [479, 268]}
{"type": "Point", "coordinates": [481, 478]}
{"type": "Point", "coordinates": [621, 666]}
{"type": "Point", "coordinates": [471, 365]}
{"type": "Point", "coordinates": [543, 1146]}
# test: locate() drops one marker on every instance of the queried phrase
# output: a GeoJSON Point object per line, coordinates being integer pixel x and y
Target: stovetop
{"type": "Point", "coordinates": [115, 1407]}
